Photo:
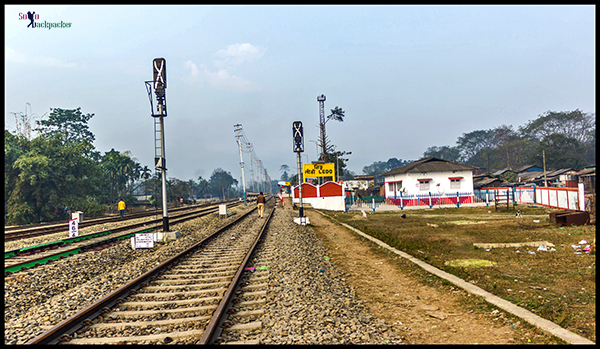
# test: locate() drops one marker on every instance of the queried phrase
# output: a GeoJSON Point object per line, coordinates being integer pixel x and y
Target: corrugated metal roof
{"type": "Point", "coordinates": [497, 173]}
{"type": "Point", "coordinates": [484, 182]}
{"type": "Point", "coordinates": [524, 168]}
{"type": "Point", "coordinates": [585, 171]}
{"type": "Point", "coordinates": [429, 165]}
{"type": "Point", "coordinates": [530, 176]}
{"type": "Point", "coordinates": [539, 175]}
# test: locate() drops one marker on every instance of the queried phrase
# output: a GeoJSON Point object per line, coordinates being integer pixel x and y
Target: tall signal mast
{"type": "Point", "coordinates": [322, 141]}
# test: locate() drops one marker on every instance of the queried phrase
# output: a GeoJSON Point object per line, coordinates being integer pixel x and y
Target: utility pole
{"type": "Point", "coordinates": [251, 166]}
{"type": "Point", "coordinates": [159, 84]}
{"type": "Point", "coordinates": [544, 158]}
{"type": "Point", "coordinates": [238, 130]}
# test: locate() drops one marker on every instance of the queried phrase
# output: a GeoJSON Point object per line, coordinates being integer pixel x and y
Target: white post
{"type": "Point", "coordinates": [581, 200]}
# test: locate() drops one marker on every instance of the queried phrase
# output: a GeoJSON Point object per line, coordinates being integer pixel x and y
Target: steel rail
{"type": "Point", "coordinates": [144, 227]}
{"type": "Point", "coordinates": [73, 323]}
{"type": "Point", "coordinates": [49, 245]}
{"type": "Point", "coordinates": [14, 233]}
{"type": "Point", "coordinates": [213, 329]}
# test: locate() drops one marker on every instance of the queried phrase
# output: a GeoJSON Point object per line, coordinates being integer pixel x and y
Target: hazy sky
{"type": "Point", "coordinates": [407, 77]}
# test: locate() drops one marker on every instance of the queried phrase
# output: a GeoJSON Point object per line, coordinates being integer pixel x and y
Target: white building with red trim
{"type": "Point", "coordinates": [429, 176]}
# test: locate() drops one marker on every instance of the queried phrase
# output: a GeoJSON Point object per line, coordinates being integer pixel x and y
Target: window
{"type": "Point", "coordinates": [423, 185]}
{"type": "Point", "coordinates": [395, 187]}
{"type": "Point", "coordinates": [455, 184]}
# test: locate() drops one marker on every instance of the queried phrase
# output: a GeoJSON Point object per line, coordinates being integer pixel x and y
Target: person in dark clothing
{"type": "Point", "coordinates": [260, 202]}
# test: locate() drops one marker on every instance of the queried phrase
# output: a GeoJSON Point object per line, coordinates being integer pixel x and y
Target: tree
{"type": "Point", "coordinates": [379, 167]}
{"type": "Point", "coordinates": [49, 176]}
{"type": "Point", "coordinates": [119, 170]}
{"type": "Point", "coordinates": [474, 147]}
{"type": "Point", "coordinates": [146, 174]}
{"type": "Point", "coordinates": [561, 152]}
{"type": "Point", "coordinates": [445, 153]}
{"type": "Point", "coordinates": [284, 168]}
{"type": "Point", "coordinates": [337, 114]}
{"type": "Point", "coordinates": [177, 189]}
{"type": "Point", "coordinates": [220, 182]}
{"type": "Point", "coordinates": [71, 122]}
{"type": "Point", "coordinates": [572, 124]}
{"type": "Point", "coordinates": [203, 186]}
{"type": "Point", "coordinates": [340, 163]}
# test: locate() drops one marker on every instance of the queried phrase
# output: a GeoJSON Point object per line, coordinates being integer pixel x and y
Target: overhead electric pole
{"type": "Point", "coordinates": [238, 131]}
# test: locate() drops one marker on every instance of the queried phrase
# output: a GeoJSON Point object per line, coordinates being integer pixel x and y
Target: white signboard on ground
{"type": "Point", "coordinates": [143, 240]}
{"type": "Point", "coordinates": [73, 228]}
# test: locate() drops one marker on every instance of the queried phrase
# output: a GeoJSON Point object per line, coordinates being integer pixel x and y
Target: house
{"type": "Point", "coordinates": [488, 183]}
{"type": "Point", "coordinates": [531, 178]}
{"type": "Point", "coordinates": [429, 175]}
{"type": "Point", "coordinates": [587, 176]}
{"type": "Point", "coordinates": [564, 177]}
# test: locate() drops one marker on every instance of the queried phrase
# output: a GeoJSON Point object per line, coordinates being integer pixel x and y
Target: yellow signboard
{"type": "Point", "coordinates": [318, 170]}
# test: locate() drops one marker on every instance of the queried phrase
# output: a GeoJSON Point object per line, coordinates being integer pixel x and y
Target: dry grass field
{"type": "Point", "coordinates": [558, 284]}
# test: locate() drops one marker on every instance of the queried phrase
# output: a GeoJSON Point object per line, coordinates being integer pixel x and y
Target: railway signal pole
{"type": "Point", "coordinates": [159, 84]}
{"type": "Point", "coordinates": [298, 134]}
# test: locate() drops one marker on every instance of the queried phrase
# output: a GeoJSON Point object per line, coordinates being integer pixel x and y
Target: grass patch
{"type": "Point", "coordinates": [559, 286]}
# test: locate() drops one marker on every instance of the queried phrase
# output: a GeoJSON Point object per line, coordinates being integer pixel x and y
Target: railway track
{"type": "Point", "coordinates": [23, 232]}
{"type": "Point", "coordinates": [184, 299]}
{"type": "Point", "coordinates": [20, 259]}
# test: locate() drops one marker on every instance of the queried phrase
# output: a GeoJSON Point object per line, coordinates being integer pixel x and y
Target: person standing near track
{"type": "Point", "coordinates": [121, 206]}
{"type": "Point", "coordinates": [260, 202]}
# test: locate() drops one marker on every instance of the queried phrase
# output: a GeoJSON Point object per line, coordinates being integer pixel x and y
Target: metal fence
{"type": "Point", "coordinates": [407, 200]}
{"type": "Point", "coordinates": [563, 198]}
{"type": "Point", "coordinates": [367, 202]}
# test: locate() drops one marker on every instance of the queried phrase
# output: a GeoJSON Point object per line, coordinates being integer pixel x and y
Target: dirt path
{"type": "Point", "coordinates": [421, 313]}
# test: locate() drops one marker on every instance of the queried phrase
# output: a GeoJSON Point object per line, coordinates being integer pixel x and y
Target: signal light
{"type": "Point", "coordinates": [298, 133]}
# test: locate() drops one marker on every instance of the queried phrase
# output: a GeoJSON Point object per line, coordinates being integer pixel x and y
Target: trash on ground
{"type": "Point", "coordinates": [536, 221]}
{"type": "Point", "coordinates": [250, 268]}
{"type": "Point", "coordinates": [264, 267]}
{"type": "Point", "coordinates": [582, 242]}
{"type": "Point", "coordinates": [326, 258]}
{"type": "Point", "coordinates": [542, 248]}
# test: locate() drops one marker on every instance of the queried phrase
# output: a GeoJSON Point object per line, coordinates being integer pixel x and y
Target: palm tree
{"type": "Point", "coordinates": [192, 185]}
{"type": "Point", "coordinates": [146, 174]}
